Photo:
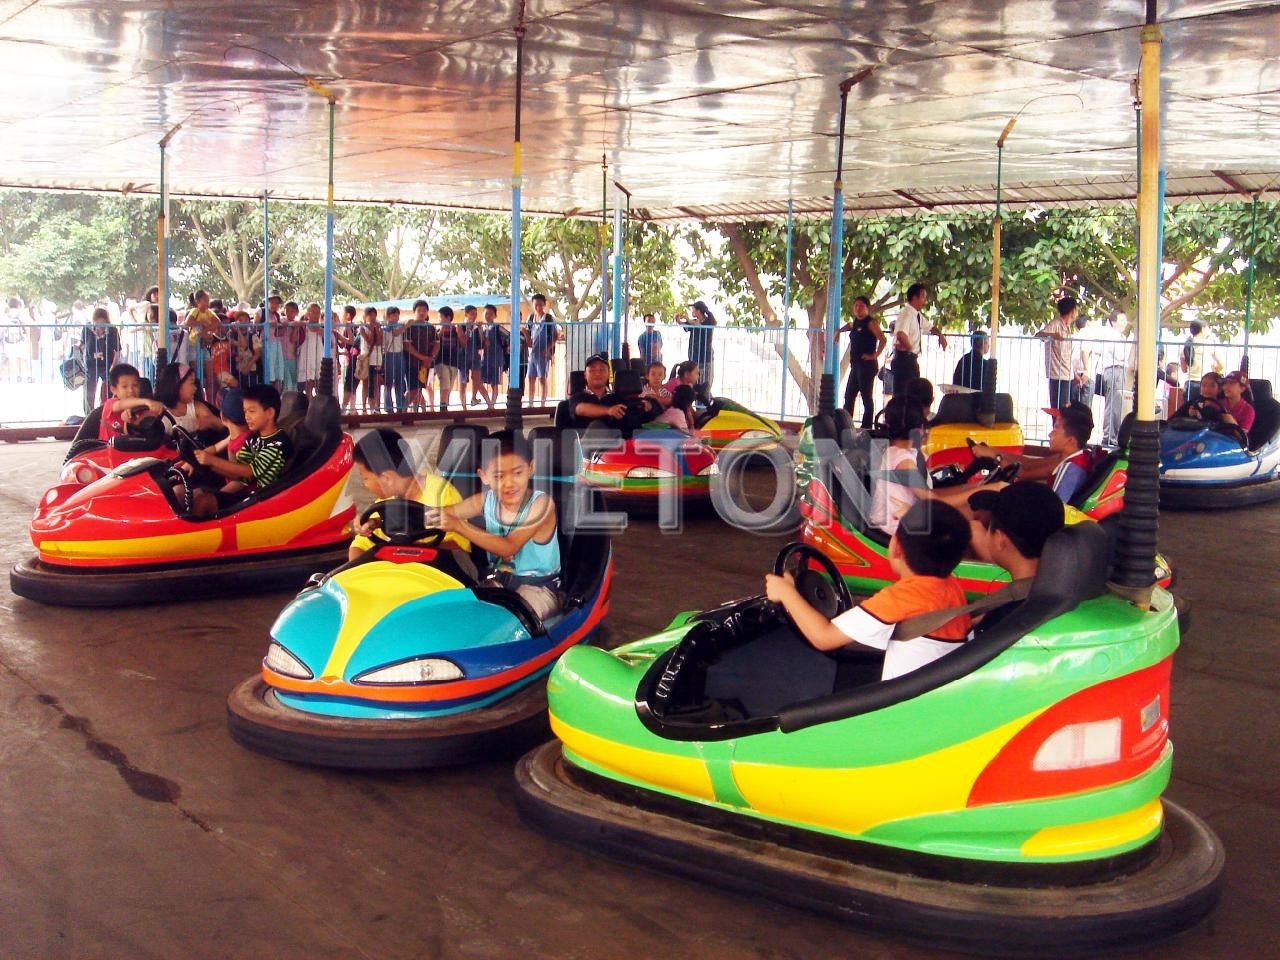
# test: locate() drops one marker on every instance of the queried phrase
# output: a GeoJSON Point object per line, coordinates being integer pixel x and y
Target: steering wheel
{"type": "Point", "coordinates": [1005, 474]}
{"type": "Point", "coordinates": [828, 595]}
{"type": "Point", "coordinates": [186, 445]}
{"type": "Point", "coordinates": [407, 520]}
{"type": "Point", "coordinates": [174, 476]}
{"type": "Point", "coordinates": [1233, 430]}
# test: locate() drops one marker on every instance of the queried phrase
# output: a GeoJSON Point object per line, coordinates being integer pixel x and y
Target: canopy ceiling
{"type": "Point", "coordinates": [720, 109]}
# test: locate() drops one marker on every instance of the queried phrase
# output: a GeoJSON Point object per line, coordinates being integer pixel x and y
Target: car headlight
{"type": "Point", "coordinates": [710, 470]}
{"type": "Point", "coordinates": [412, 672]}
{"type": "Point", "coordinates": [649, 473]}
{"type": "Point", "coordinates": [756, 435]}
{"type": "Point", "coordinates": [281, 661]}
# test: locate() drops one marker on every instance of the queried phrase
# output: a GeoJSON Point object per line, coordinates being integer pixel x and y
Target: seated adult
{"type": "Point", "coordinates": [1235, 408]}
{"type": "Point", "coordinates": [968, 372]}
{"type": "Point", "coordinates": [382, 459]}
{"type": "Point", "coordinates": [594, 403]}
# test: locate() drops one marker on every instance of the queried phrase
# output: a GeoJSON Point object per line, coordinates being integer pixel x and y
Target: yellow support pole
{"type": "Point", "coordinates": [1149, 225]}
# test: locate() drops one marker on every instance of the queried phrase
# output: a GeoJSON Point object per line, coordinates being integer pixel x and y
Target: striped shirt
{"type": "Point", "coordinates": [266, 456]}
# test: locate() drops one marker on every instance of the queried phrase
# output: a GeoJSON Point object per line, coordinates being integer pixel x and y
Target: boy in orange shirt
{"type": "Point", "coordinates": [930, 541]}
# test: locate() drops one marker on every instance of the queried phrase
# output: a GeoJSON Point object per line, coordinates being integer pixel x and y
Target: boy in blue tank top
{"type": "Point", "coordinates": [518, 523]}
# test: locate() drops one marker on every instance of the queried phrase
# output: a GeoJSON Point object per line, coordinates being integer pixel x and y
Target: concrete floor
{"type": "Point", "coordinates": [131, 825]}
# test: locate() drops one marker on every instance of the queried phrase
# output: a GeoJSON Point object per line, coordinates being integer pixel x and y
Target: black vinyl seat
{"type": "Point", "coordinates": [458, 459]}
{"type": "Point", "coordinates": [963, 408]}
{"type": "Point", "coordinates": [1266, 420]}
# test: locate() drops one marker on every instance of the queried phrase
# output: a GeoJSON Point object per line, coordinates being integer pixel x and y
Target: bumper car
{"type": "Point", "coordinates": [128, 538]}
{"type": "Point", "coordinates": [727, 425]}
{"type": "Point", "coordinates": [956, 423]}
{"type": "Point", "coordinates": [402, 659]}
{"type": "Point", "coordinates": [1005, 798]}
{"type": "Point", "coordinates": [1209, 465]}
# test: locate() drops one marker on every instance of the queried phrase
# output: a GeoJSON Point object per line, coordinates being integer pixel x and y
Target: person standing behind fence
{"type": "Point", "coordinates": [475, 347]}
{"type": "Point", "coordinates": [649, 343]}
{"type": "Point", "coordinates": [908, 335]}
{"type": "Point", "coordinates": [495, 347]}
{"type": "Point", "coordinates": [542, 345]}
{"type": "Point", "coordinates": [450, 355]}
{"type": "Point", "coordinates": [866, 342]}
{"type": "Point", "coordinates": [1113, 360]}
{"type": "Point", "coordinates": [1084, 362]}
{"type": "Point", "coordinates": [101, 342]}
{"type": "Point", "coordinates": [311, 348]}
{"type": "Point", "coordinates": [1198, 358]}
{"type": "Point", "coordinates": [420, 347]}
{"type": "Point", "coordinates": [701, 327]}
{"type": "Point", "coordinates": [969, 368]}
{"type": "Point", "coordinates": [395, 383]}
{"type": "Point", "coordinates": [248, 346]}
{"type": "Point", "coordinates": [1058, 353]}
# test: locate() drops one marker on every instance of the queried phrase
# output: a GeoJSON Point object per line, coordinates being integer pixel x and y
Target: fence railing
{"type": "Point", "coordinates": [45, 377]}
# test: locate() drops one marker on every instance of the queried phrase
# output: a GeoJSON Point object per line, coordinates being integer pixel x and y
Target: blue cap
{"type": "Point", "coordinates": [233, 406]}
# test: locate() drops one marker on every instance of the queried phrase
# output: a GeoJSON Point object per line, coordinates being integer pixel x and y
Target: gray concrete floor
{"type": "Point", "coordinates": [131, 825]}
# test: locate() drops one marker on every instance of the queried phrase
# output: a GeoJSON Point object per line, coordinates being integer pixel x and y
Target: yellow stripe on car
{"type": "Point", "coordinates": [278, 530]}
{"type": "Point", "coordinates": [1106, 833]}
{"type": "Point", "coordinates": [684, 775]}
{"type": "Point", "coordinates": [172, 545]}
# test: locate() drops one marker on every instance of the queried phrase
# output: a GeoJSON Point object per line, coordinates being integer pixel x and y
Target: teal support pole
{"type": "Point", "coordinates": [515, 416]}
{"type": "Point", "coordinates": [162, 295]}
{"type": "Point", "coordinates": [1248, 283]}
{"type": "Point", "coordinates": [786, 309]}
{"type": "Point", "coordinates": [615, 341]}
{"type": "Point", "coordinates": [266, 270]}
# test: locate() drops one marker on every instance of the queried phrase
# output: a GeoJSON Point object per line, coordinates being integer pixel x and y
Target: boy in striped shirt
{"type": "Point", "coordinates": [257, 464]}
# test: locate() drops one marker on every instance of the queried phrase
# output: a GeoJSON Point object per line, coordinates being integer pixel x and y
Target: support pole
{"type": "Point", "coordinates": [786, 308]}
{"type": "Point", "coordinates": [515, 418]}
{"type": "Point", "coordinates": [615, 345]}
{"type": "Point", "coordinates": [987, 376]}
{"type": "Point", "coordinates": [325, 386]}
{"type": "Point", "coordinates": [162, 267]}
{"type": "Point", "coordinates": [827, 388]}
{"type": "Point", "coordinates": [1248, 283]}
{"type": "Point", "coordinates": [266, 281]}
{"type": "Point", "coordinates": [1135, 551]}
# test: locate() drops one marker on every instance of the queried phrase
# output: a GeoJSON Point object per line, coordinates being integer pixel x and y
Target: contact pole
{"type": "Point", "coordinates": [162, 266]}
{"type": "Point", "coordinates": [615, 336]}
{"type": "Point", "coordinates": [1136, 548]}
{"type": "Point", "coordinates": [1248, 283]}
{"type": "Point", "coordinates": [326, 364]}
{"type": "Point", "coordinates": [786, 309]}
{"type": "Point", "coordinates": [514, 417]}
{"type": "Point", "coordinates": [827, 389]}
{"type": "Point", "coordinates": [266, 275]}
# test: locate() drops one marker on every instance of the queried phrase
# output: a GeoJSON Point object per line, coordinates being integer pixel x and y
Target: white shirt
{"type": "Point", "coordinates": [911, 325]}
{"type": "Point", "coordinates": [1113, 351]}
{"type": "Point", "coordinates": [890, 498]}
{"type": "Point", "coordinates": [901, 656]}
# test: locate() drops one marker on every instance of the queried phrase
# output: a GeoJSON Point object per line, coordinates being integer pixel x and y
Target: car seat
{"type": "Point", "coordinates": [1266, 420]}
{"type": "Point", "coordinates": [458, 457]}
{"type": "Point", "coordinates": [963, 408]}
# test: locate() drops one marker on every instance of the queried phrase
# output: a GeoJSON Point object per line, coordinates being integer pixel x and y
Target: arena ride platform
{"type": "Point", "coordinates": [135, 826]}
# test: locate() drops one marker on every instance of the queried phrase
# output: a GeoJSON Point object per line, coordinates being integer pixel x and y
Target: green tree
{"type": "Point", "coordinates": [68, 247]}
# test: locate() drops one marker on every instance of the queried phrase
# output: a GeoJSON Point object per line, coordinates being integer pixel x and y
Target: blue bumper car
{"type": "Point", "coordinates": [1209, 465]}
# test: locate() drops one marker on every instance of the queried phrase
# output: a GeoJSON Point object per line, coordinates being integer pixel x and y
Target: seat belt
{"type": "Point", "coordinates": [925, 623]}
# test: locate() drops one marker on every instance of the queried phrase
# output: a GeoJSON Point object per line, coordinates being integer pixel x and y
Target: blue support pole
{"type": "Point", "coordinates": [266, 271]}
{"type": "Point", "coordinates": [515, 418]}
{"type": "Point", "coordinates": [162, 295]}
{"type": "Point", "coordinates": [615, 341]}
{"type": "Point", "coordinates": [325, 386]}
{"type": "Point", "coordinates": [786, 310]}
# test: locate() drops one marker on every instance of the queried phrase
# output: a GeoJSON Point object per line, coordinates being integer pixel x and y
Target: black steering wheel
{"type": "Point", "coordinates": [186, 445]}
{"type": "Point", "coordinates": [1005, 474]}
{"type": "Point", "coordinates": [828, 595]}
{"type": "Point", "coordinates": [403, 522]}
{"type": "Point", "coordinates": [1233, 430]}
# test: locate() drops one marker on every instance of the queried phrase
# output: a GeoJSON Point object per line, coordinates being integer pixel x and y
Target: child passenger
{"type": "Point", "coordinates": [386, 470]}
{"type": "Point", "coordinates": [117, 418]}
{"type": "Point", "coordinates": [518, 523]}
{"type": "Point", "coordinates": [930, 540]}
{"type": "Point", "coordinates": [260, 460]}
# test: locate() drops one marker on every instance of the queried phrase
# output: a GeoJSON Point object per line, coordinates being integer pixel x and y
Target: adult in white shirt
{"type": "Point", "coordinates": [908, 332]}
{"type": "Point", "coordinates": [1058, 355]}
{"type": "Point", "coordinates": [1112, 349]}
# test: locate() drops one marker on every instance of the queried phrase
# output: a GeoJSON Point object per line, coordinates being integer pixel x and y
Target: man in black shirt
{"type": "Point", "coordinates": [101, 342]}
{"type": "Point", "coordinates": [595, 404]}
{"type": "Point", "coordinates": [968, 372]}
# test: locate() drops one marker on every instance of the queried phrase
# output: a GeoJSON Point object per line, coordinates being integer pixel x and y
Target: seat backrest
{"type": "Point", "coordinates": [319, 423]}
{"type": "Point", "coordinates": [963, 408]}
{"type": "Point", "coordinates": [627, 383]}
{"type": "Point", "coordinates": [293, 407]}
{"type": "Point", "coordinates": [562, 418]}
{"type": "Point", "coordinates": [1266, 419]}
{"type": "Point", "coordinates": [458, 456]}
{"type": "Point", "coordinates": [577, 381]}
{"type": "Point", "coordinates": [145, 389]}
{"type": "Point", "coordinates": [584, 552]}
{"type": "Point", "coordinates": [557, 453]}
